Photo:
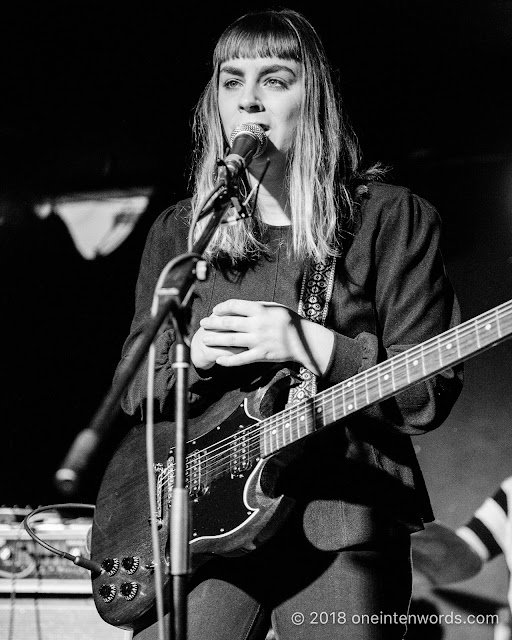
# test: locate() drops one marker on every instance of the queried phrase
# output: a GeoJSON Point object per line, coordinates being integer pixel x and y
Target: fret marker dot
{"type": "Point", "coordinates": [303, 417]}
{"type": "Point", "coordinates": [273, 432]}
{"type": "Point", "coordinates": [449, 345]}
{"type": "Point", "coordinates": [350, 406]}
{"type": "Point", "coordinates": [319, 410]}
{"type": "Point", "coordinates": [287, 425]}
{"type": "Point", "coordinates": [349, 384]}
{"type": "Point", "coordinates": [386, 377]}
{"type": "Point", "coordinates": [415, 363]}
{"type": "Point", "coordinates": [487, 326]}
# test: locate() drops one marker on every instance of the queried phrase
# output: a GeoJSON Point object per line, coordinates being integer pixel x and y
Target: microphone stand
{"type": "Point", "coordinates": [176, 295]}
{"type": "Point", "coordinates": [178, 287]}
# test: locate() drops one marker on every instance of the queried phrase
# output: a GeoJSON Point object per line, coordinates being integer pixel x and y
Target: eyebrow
{"type": "Point", "coordinates": [272, 68]}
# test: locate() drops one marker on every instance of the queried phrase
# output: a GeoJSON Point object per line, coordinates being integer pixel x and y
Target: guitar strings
{"type": "Point", "coordinates": [260, 430]}
{"type": "Point", "coordinates": [383, 368]}
{"type": "Point", "coordinates": [225, 445]}
{"type": "Point", "coordinates": [370, 380]}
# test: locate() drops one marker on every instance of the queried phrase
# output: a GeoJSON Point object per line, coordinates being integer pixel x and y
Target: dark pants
{"type": "Point", "coordinates": [358, 592]}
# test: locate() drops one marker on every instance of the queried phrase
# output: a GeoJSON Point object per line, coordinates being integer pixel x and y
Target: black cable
{"type": "Point", "coordinates": [78, 560]}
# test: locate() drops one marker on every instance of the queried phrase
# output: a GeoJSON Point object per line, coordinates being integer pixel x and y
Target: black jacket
{"type": "Point", "coordinates": [391, 292]}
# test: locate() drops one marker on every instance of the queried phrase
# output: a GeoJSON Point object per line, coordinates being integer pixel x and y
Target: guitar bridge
{"type": "Point", "coordinates": [164, 484]}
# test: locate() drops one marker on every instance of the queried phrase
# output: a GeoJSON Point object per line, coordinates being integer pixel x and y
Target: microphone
{"type": "Point", "coordinates": [248, 141]}
{"type": "Point", "coordinates": [77, 460]}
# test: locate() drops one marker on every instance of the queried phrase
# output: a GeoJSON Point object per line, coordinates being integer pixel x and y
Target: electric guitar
{"type": "Point", "coordinates": [229, 463]}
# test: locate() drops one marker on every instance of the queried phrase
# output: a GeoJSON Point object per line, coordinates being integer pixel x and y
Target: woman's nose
{"type": "Point", "coordinates": [250, 100]}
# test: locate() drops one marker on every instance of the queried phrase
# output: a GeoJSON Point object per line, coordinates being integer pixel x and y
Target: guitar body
{"type": "Point", "coordinates": [236, 450]}
{"type": "Point", "coordinates": [231, 513]}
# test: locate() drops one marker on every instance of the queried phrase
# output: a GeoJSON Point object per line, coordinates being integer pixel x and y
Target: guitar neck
{"type": "Point", "coordinates": [386, 379]}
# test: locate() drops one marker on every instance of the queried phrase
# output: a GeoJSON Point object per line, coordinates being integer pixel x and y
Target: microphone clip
{"type": "Point", "coordinates": [225, 176]}
{"type": "Point", "coordinates": [238, 210]}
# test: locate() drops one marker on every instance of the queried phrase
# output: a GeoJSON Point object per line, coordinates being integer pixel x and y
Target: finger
{"type": "Point", "coordinates": [272, 304]}
{"type": "Point", "coordinates": [244, 356]}
{"type": "Point", "coordinates": [227, 352]}
{"type": "Point", "coordinates": [225, 339]}
{"type": "Point", "coordinates": [237, 307]}
{"type": "Point", "coordinates": [225, 323]}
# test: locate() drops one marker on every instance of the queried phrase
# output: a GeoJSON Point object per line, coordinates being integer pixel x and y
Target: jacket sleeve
{"type": "Point", "coordinates": [166, 239]}
{"type": "Point", "coordinates": [413, 300]}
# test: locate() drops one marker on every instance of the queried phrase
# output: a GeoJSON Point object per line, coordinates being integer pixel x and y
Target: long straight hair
{"type": "Point", "coordinates": [324, 159]}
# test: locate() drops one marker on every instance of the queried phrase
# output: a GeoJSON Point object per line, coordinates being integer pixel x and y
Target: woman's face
{"type": "Point", "coordinates": [265, 91]}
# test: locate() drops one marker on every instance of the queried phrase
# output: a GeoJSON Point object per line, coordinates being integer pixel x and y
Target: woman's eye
{"type": "Point", "coordinates": [231, 84]}
{"type": "Point", "coordinates": [276, 82]}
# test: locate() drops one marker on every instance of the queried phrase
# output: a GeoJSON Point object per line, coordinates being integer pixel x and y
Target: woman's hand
{"type": "Point", "coordinates": [240, 332]}
{"type": "Point", "coordinates": [204, 356]}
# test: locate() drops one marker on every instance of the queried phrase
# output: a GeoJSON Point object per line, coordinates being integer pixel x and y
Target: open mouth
{"type": "Point", "coordinates": [265, 127]}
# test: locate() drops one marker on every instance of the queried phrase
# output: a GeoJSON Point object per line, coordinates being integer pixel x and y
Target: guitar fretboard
{"type": "Point", "coordinates": [237, 453]}
{"type": "Point", "coordinates": [386, 379]}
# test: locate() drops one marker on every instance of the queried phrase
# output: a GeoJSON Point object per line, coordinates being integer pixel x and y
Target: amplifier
{"type": "Point", "coordinates": [41, 594]}
{"type": "Point", "coordinates": [55, 618]}
{"type": "Point", "coordinates": [28, 567]}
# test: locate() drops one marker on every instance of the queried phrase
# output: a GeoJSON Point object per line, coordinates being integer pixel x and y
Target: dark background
{"type": "Point", "coordinates": [100, 97]}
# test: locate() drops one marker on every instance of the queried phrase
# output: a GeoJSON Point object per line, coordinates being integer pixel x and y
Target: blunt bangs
{"type": "Point", "coordinates": [258, 36]}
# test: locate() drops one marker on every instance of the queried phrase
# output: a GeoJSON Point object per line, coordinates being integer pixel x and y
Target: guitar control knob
{"type": "Point", "coordinates": [130, 564]}
{"type": "Point", "coordinates": [110, 565]}
{"type": "Point", "coordinates": [129, 590]}
{"type": "Point", "coordinates": [107, 592]}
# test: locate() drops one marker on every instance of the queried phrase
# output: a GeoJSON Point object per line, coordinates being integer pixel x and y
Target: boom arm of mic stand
{"type": "Point", "coordinates": [179, 288]}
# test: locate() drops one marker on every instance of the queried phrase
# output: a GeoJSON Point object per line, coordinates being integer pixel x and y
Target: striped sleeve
{"type": "Point", "coordinates": [488, 531]}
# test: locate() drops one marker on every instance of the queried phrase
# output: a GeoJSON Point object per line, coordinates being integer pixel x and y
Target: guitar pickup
{"type": "Point", "coordinates": [197, 475]}
{"type": "Point", "coordinates": [239, 459]}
